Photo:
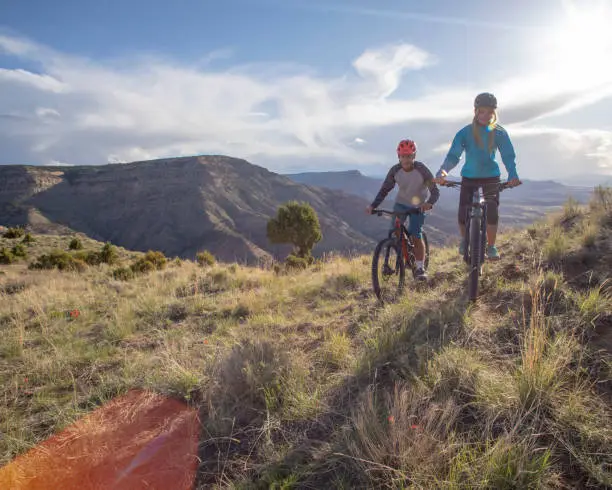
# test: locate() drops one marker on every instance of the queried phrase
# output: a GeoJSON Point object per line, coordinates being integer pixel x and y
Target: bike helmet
{"type": "Point", "coordinates": [406, 147]}
{"type": "Point", "coordinates": [485, 100]}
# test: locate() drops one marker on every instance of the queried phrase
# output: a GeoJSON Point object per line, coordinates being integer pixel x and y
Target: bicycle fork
{"type": "Point", "coordinates": [477, 217]}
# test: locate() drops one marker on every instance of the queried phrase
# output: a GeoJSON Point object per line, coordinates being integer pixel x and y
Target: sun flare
{"type": "Point", "coordinates": [584, 37]}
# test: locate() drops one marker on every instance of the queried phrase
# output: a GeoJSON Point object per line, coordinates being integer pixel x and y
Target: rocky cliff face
{"type": "Point", "coordinates": [182, 205]}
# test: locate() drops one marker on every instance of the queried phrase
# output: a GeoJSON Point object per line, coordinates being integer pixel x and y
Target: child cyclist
{"type": "Point", "coordinates": [414, 181]}
{"type": "Point", "coordinates": [480, 140]}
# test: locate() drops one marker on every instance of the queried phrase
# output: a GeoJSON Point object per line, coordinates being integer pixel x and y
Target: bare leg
{"type": "Point", "coordinates": [491, 234]}
{"type": "Point", "coordinates": [419, 248]}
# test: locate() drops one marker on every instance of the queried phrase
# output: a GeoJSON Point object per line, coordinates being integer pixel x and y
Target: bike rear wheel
{"type": "Point", "coordinates": [475, 258]}
{"type": "Point", "coordinates": [388, 271]}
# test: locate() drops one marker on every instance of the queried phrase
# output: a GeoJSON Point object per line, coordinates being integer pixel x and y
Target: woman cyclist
{"type": "Point", "coordinates": [480, 140]}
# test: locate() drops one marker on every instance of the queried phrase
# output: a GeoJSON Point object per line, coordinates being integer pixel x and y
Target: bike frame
{"type": "Point", "coordinates": [401, 234]}
{"type": "Point", "coordinates": [476, 242]}
{"type": "Point", "coordinates": [476, 214]}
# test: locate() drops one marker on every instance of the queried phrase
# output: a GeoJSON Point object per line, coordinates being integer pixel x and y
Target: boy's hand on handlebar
{"type": "Point", "coordinates": [514, 182]}
{"type": "Point", "coordinates": [425, 206]}
{"type": "Point", "coordinates": [369, 210]}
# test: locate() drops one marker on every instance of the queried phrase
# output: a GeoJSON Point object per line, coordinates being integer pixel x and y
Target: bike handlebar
{"type": "Point", "coordinates": [453, 183]}
{"type": "Point", "coordinates": [380, 212]}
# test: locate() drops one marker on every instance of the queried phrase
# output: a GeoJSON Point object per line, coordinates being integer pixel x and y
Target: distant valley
{"type": "Point", "coordinates": [183, 205]}
{"type": "Point", "coordinates": [519, 206]}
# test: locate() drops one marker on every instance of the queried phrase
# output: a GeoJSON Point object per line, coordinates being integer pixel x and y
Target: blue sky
{"type": "Point", "coordinates": [302, 85]}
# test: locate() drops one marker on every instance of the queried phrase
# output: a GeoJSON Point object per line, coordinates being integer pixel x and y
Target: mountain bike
{"type": "Point", "coordinates": [476, 231]}
{"type": "Point", "coordinates": [399, 244]}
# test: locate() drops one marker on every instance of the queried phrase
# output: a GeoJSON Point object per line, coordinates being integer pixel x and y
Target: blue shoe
{"type": "Point", "coordinates": [492, 253]}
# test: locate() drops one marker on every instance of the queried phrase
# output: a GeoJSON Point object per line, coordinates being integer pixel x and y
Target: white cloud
{"type": "Point", "coordinates": [46, 112]}
{"type": "Point", "coordinates": [55, 163]}
{"type": "Point", "coordinates": [150, 108]}
{"type": "Point", "coordinates": [385, 66]}
{"type": "Point", "coordinates": [557, 152]}
{"type": "Point", "coordinates": [40, 82]}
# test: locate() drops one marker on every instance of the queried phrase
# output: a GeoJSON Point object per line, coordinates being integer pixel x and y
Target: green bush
{"type": "Point", "coordinates": [205, 258]}
{"type": "Point", "coordinates": [123, 274]}
{"type": "Point", "coordinates": [158, 259]}
{"type": "Point", "coordinates": [295, 262]}
{"type": "Point", "coordinates": [16, 232]}
{"type": "Point", "coordinates": [149, 262]}
{"type": "Point", "coordinates": [142, 266]}
{"type": "Point", "coordinates": [58, 259]}
{"type": "Point", "coordinates": [19, 251]}
{"type": "Point", "coordinates": [108, 254]}
{"type": "Point", "coordinates": [6, 256]}
{"type": "Point", "coordinates": [295, 223]}
{"type": "Point", "coordinates": [90, 258]}
{"type": "Point", "coordinates": [28, 239]}
{"type": "Point", "coordinates": [75, 244]}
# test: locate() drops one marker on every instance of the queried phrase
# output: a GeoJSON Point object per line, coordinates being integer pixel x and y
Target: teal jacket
{"type": "Point", "coordinates": [479, 162]}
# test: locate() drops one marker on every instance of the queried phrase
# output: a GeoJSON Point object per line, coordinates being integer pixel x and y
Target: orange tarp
{"type": "Point", "coordinates": [138, 441]}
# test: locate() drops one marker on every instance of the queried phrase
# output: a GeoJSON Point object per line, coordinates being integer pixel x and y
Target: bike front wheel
{"type": "Point", "coordinates": [388, 271]}
{"type": "Point", "coordinates": [475, 258]}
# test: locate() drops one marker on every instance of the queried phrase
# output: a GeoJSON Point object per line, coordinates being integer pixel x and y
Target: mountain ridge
{"type": "Point", "coordinates": [179, 206]}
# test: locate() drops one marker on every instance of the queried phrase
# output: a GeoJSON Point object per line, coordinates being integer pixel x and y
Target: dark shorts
{"type": "Point", "coordinates": [416, 221]}
{"type": "Point", "coordinates": [491, 195]}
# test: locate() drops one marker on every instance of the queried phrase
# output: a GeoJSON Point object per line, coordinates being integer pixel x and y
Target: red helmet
{"type": "Point", "coordinates": [406, 147]}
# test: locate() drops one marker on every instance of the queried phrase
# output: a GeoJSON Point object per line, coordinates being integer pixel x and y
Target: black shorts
{"type": "Point", "coordinates": [490, 187]}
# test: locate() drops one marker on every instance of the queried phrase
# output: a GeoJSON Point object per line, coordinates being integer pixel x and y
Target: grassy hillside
{"type": "Point", "coordinates": [302, 380]}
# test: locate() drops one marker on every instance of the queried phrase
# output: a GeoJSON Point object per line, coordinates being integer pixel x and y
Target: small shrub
{"type": "Point", "coordinates": [75, 244]}
{"type": "Point", "coordinates": [123, 274]}
{"type": "Point", "coordinates": [254, 378]}
{"type": "Point", "coordinates": [59, 259]}
{"type": "Point", "coordinates": [205, 258]}
{"type": "Point", "coordinates": [571, 209]}
{"type": "Point", "coordinates": [343, 282]}
{"type": "Point", "coordinates": [13, 288]}
{"type": "Point", "coordinates": [158, 259]}
{"type": "Point", "coordinates": [28, 239]}
{"type": "Point", "coordinates": [336, 350]}
{"type": "Point", "coordinates": [149, 262]}
{"type": "Point", "coordinates": [177, 312]}
{"type": "Point", "coordinates": [601, 199]}
{"type": "Point", "coordinates": [556, 245]}
{"type": "Point", "coordinates": [241, 312]}
{"type": "Point", "coordinates": [16, 232]}
{"type": "Point", "coordinates": [19, 251]}
{"type": "Point", "coordinates": [6, 256]}
{"type": "Point", "coordinates": [108, 254]}
{"type": "Point", "coordinates": [589, 234]}
{"type": "Point", "coordinates": [90, 258]}
{"type": "Point", "coordinates": [295, 262]}
{"type": "Point", "coordinates": [532, 231]}
{"type": "Point", "coordinates": [142, 266]}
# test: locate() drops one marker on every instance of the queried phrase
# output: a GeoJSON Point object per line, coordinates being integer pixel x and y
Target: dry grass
{"type": "Point", "coordinates": [303, 381]}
